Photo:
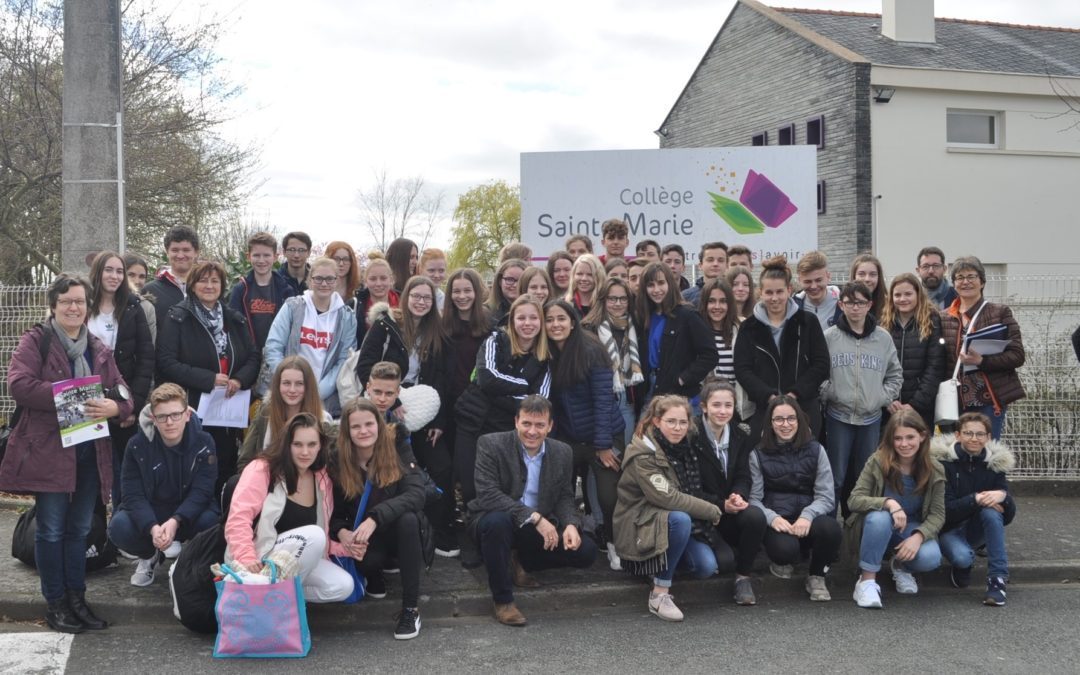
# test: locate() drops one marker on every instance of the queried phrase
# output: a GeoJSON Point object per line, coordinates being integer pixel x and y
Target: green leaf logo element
{"type": "Point", "coordinates": [735, 214]}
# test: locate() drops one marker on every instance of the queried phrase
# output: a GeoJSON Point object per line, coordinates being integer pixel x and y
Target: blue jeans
{"type": "Point", "coordinates": [685, 553]}
{"type": "Point", "coordinates": [849, 444]}
{"type": "Point", "coordinates": [997, 422]}
{"type": "Point", "coordinates": [878, 534]}
{"type": "Point", "coordinates": [127, 537]}
{"type": "Point", "coordinates": [988, 526]}
{"type": "Point", "coordinates": [63, 522]}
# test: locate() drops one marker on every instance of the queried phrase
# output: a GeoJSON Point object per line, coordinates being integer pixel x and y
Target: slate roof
{"type": "Point", "coordinates": [960, 44]}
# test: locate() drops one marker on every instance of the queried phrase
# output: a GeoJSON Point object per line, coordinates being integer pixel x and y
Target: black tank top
{"type": "Point", "coordinates": [294, 515]}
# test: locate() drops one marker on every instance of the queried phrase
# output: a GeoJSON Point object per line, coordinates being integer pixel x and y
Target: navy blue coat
{"type": "Point", "coordinates": [687, 353]}
{"type": "Point", "coordinates": [586, 412]}
{"type": "Point", "coordinates": [146, 469]}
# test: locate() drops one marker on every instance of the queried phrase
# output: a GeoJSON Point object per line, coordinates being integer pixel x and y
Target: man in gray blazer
{"type": "Point", "coordinates": [523, 501]}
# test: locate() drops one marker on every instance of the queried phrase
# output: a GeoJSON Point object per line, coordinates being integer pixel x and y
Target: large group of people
{"type": "Point", "coordinates": [595, 405]}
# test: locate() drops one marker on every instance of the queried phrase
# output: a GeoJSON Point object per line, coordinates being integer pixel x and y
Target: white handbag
{"type": "Point", "coordinates": [947, 404]}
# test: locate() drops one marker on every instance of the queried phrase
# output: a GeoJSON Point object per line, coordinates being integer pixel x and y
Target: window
{"type": "Point", "coordinates": [760, 139]}
{"type": "Point", "coordinates": [972, 128]}
{"type": "Point", "coordinates": [821, 196]}
{"type": "Point", "coordinates": [815, 131]}
{"type": "Point", "coordinates": [786, 135]}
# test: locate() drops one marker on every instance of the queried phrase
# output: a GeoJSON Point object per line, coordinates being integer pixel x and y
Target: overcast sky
{"type": "Point", "coordinates": [455, 90]}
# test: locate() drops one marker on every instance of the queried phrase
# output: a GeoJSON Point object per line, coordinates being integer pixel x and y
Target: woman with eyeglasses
{"type": "Point", "coordinates": [412, 337]}
{"type": "Point", "coordinates": [660, 527]}
{"type": "Point", "coordinates": [865, 377]}
{"type": "Point", "coordinates": [204, 345]}
{"type": "Point", "coordinates": [67, 482]}
{"type": "Point", "coordinates": [988, 383]}
{"type": "Point", "coordinates": [505, 289]}
{"type": "Point", "coordinates": [613, 322]}
{"type": "Point", "coordinates": [347, 269]}
{"type": "Point", "coordinates": [318, 326]}
{"type": "Point", "coordinates": [915, 326]}
{"type": "Point", "coordinates": [792, 484]}
{"type": "Point", "coordinates": [898, 505]}
{"type": "Point", "coordinates": [978, 503]}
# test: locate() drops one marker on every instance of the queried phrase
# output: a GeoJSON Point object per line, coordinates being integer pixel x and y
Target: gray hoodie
{"type": "Point", "coordinates": [762, 315]}
{"type": "Point", "coordinates": [864, 375]}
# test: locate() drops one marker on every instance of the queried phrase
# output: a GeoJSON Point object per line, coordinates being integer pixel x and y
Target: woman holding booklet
{"type": "Point", "coordinates": [988, 381]}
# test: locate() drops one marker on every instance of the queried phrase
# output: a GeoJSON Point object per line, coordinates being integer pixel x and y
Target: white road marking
{"type": "Point", "coordinates": [44, 653]}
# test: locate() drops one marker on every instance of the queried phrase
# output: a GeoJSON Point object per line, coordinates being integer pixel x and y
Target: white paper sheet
{"type": "Point", "coordinates": [985, 348]}
{"type": "Point", "coordinates": [217, 411]}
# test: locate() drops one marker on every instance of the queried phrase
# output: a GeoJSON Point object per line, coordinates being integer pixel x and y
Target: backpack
{"type": "Point", "coordinates": [192, 583]}
{"type": "Point", "coordinates": [100, 552]}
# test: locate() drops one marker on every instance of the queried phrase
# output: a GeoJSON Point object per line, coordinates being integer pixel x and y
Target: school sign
{"type": "Point", "coordinates": [764, 198]}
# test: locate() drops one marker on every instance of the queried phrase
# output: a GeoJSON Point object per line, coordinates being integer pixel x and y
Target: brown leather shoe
{"type": "Point", "coordinates": [521, 578]}
{"type": "Point", "coordinates": [509, 615]}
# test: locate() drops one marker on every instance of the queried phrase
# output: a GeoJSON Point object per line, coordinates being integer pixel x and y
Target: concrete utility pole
{"type": "Point", "coordinates": [92, 193]}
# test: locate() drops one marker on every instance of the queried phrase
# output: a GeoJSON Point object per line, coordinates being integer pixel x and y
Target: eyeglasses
{"type": "Point", "coordinates": [964, 278]}
{"type": "Point", "coordinates": [790, 419]}
{"type": "Point", "coordinates": [511, 281]}
{"type": "Point", "coordinates": [169, 417]}
{"type": "Point", "coordinates": [974, 434]}
{"type": "Point", "coordinates": [342, 260]}
{"type": "Point", "coordinates": [618, 299]}
{"type": "Point", "coordinates": [857, 304]}
{"type": "Point", "coordinates": [68, 302]}
{"type": "Point", "coordinates": [420, 298]}
{"type": "Point", "coordinates": [296, 251]}
{"type": "Point", "coordinates": [931, 267]}
{"type": "Point", "coordinates": [674, 423]}
{"type": "Point", "coordinates": [324, 281]}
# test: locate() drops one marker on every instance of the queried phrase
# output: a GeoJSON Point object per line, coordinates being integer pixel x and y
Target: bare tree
{"type": "Point", "coordinates": [178, 168]}
{"type": "Point", "coordinates": [399, 207]}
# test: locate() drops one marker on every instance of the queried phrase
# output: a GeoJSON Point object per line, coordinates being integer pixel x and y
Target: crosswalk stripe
{"type": "Point", "coordinates": [44, 653]}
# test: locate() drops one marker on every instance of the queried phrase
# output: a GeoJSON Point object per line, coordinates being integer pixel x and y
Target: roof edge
{"type": "Point", "coordinates": [976, 22]}
{"type": "Point", "coordinates": [805, 32]}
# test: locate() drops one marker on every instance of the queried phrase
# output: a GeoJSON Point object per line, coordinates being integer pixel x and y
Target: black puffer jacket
{"type": "Point", "coordinates": [385, 505]}
{"type": "Point", "coordinates": [383, 342]}
{"type": "Point", "coordinates": [187, 356]}
{"type": "Point", "coordinates": [799, 367]}
{"type": "Point", "coordinates": [134, 353]}
{"type": "Point", "coordinates": [923, 362]}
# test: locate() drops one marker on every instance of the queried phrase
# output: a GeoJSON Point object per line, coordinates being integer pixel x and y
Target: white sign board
{"type": "Point", "coordinates": [764, 198]}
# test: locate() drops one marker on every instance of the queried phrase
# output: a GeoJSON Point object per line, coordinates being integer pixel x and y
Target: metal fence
{"type": "Point", "coordinates": [1043, 429]}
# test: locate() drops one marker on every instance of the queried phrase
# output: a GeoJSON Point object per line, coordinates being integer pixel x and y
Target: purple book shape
{"type": "Point", "coordinates": [766, 201]}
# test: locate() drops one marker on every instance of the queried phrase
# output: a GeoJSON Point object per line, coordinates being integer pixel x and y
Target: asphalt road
{"type": "Point", "coordinates": [942, 630]}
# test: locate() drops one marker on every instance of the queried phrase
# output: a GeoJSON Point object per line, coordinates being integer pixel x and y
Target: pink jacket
{"type": "Point", "coordinates": [36, 460]}
{"type": "Point", "coordinates": [253, 498]}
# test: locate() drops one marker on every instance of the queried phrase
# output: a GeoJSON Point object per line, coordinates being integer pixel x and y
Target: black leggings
{"type": "Point", "coordinates": [437, 462]}
{"type": "Point", "coordinates": [823, 543]}
{"type": "Point", "coordinates": [400, 538]}
{"type": "Point", "coordinates": [741, 535]}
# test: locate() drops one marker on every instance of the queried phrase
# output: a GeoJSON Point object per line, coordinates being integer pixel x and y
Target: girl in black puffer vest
{"type": "Point", "coordinates": [793, 485]}
{"type": "Point", "coordinates": [915, 326]}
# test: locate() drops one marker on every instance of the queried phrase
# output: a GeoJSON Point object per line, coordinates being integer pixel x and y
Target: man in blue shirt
{"type": "Point", "coordinates": [523, 515]}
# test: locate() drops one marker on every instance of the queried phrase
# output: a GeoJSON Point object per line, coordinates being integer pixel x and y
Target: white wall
{"type": "Point", "coordinates": [1018, 206]}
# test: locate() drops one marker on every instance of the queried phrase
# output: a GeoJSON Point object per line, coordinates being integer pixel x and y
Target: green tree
{"type": "Point", "coordinates": [178, 167]}
{"type": "Point", "coordinates": [488, 217]}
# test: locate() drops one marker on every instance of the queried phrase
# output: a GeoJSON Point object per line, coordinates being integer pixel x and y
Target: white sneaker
{"type": "Point", "coordinates": [173, 550]}
{"type": "Point", "coordinates": [613, 558]}
{"type": "Point", "coordinates": [905, 581]}
{"type": "Point", "coordinates": [867, 594]}
{"type": "Point", "coordinates": [663, 606]}
{"type": "Point", "coordinates": [144, 570]}
{"type": "Point", "coordinates": [817, 589]}
{"type": "Point", "coordinates": [781, 571]}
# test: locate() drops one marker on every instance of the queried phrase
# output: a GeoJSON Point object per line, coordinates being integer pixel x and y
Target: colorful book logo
{"type": "Point", "coordinates": [761, 204]}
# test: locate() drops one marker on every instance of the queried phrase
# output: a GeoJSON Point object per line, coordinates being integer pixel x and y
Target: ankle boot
{"type": "Point", "coordinates": [81, 610]}
{"type": "Point", "coordinates": [61, 619]}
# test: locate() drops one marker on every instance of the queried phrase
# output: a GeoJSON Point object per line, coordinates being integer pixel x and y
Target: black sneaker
{"type": "Point", "coordinates": [995, 592]}
{"type": "Point", "coordinates": [960, 577]}
{"type": "Point", "coordinates": [375, 587]}
{"type": "Point", "coordinates": [408, 625]}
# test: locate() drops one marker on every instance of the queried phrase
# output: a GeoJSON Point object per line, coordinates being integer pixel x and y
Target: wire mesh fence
{"type": "Point", "coordinates": [1042, 429]}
